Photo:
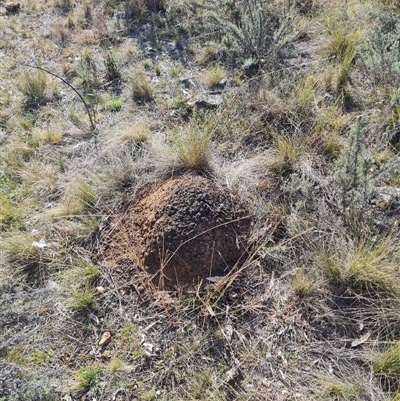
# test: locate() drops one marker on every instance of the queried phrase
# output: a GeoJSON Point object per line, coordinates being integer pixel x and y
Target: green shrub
{"type": "Point", "coordinates": [248, 29]}
{"type": "Point", "coordinates": [354, 181]}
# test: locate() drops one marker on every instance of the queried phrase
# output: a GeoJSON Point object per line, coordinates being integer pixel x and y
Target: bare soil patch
{"type": "Point", "coordinates": [180, 231]}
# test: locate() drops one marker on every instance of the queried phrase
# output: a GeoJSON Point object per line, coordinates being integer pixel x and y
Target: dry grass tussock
{"type": "Point", "coordinates": [291, 107]}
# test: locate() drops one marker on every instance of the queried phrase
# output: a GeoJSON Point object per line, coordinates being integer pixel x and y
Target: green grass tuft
{"type": "Point", "coordinates": [388, 362]}
{"type": "Point", "coordinates": [88, 377]}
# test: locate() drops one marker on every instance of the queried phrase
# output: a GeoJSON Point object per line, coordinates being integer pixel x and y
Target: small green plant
{"type": "Point", "coordinates": [247, 29]}
{"type": "Point", "coordinates": [81, 275]}
{"type": "Point", "coordinates": [87, 73]}
{"type": "Point", "coordinates": [354, 180]}
{"type": "Point", "coordinates": [388, 363]}
{"type": "Point", "coordinates": [82, 299]}
{"type": "Point", "coordinates": [115, 104]}
{"type": "Point", "coordinates": [40, 356]}
{"type": "Point", "coordinates": [88, 377]}
{"type": "Point", "coordinates": [141, 88]}
{"type": "Point", "coordinates": [113, 72]}
{"type": "Point", "coordinates": [130, 340]}
{"type": "Point", "coordinates": [179, 103]}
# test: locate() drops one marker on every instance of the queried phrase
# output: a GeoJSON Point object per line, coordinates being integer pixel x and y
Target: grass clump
{"type": "Point", "coordinates": [136, 133]}
{"type": "Point", "coordinates": [18, 245]}
{"type": "Point", "coordinates": [213, 76]}
{"type": "Point", "coordinates": [47, 136]}
{"type": "Point", "coordinates": [192, 150]}
{"type": "Point", "coordinates": [88, 377]}
{"type": "Point", "coordinates": [82, 299]}
{"type": "Point", "coordinates": [80, 279]}
{"type": "Point", "coordinates": [388, 363]}
{"type": "Point", "coordinates": [34, 88]}
{"type": "Point", "coordinates": [338, 390]}
{"type": "Point", "coordinates": [303, 284]}
{"type": "Point", "coordinates": [366, 266]}
{"type": "Point", "coordinates": [288, 153]}
{"type": "Point", "coordinates": [85, 194]}
{"type": "Point", "coordinates": [141, 88]}
{"type": "Point", "coordinates": [10, 214]}
{"type": "Point", "coordinates": [81, 275]}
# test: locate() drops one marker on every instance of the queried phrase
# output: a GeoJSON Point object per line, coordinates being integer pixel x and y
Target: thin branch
{"type": "Point", "coordinates": [88, 111]}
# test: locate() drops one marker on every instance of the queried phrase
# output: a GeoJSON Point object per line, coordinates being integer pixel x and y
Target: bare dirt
{"type": "Point", "coordinates": [180, 231]}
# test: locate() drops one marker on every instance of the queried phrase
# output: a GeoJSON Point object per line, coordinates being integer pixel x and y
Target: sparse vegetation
{"type": "Point", "coordinates": [291, 107]}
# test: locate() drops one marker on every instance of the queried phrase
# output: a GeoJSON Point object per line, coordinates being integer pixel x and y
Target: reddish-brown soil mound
{"type": "Point", "coordinates": [185, 229]}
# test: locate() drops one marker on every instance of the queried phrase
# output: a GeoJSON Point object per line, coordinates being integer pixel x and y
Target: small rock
{"type": "Point", "coordinates": [187, 83]}
{"type": "Point", "coordinates": [12, 7]}
{"type": "Point", "coordinates": [221, 85]}
{"type": "Point", "coordinates": [39, 244]}
{"type": "Point", "coordinates": [251, 68]}
{"type": "Point", "coordinates": [93, 317]}
{"type": "Point", "coordinates": [119, 14]}
{"type": "Point", "coordinates": [206, 103]}
{"type": "Point", "coordinates": [105, 339]}
{"type": "Point", "coordinates": [100, 290]}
